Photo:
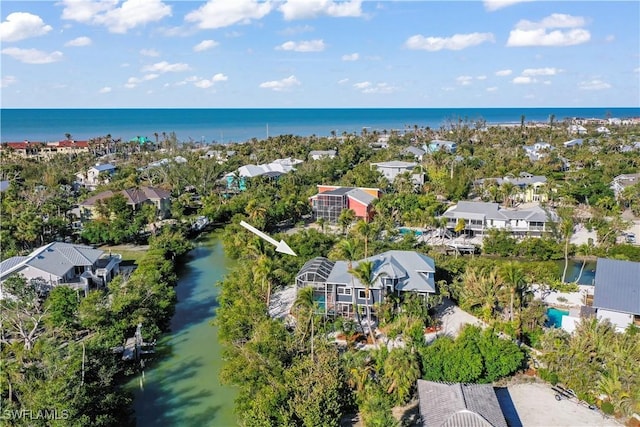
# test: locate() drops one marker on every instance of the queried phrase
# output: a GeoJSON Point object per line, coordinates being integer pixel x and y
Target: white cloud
{"type": "Point", "coordinates": [307, 9]}
{"type": "Point", "coordinates": [79, 41]}
{"type": "Point", "coordinates": [492, 5]}
{"type": "Point", "coordinates": [594, 84]}
{"type": "Point", "coordinates": [204, 45]}
{"type": "Point", "coordinates": [105, 89]}
{"type": "Point", "coordinates": [481, 77]}
{"type": "Point", "coordinates": [32, 56]}
{"type": "Point", "coordinates": [528, 33]}
{"type": "Point", "coordinates": [351, 57]}
{"type": "Point", "coordinates": [134, 81]}
{"type": "Point", "coordinates": [149, 52]}
{"type": "Point", "coordinates": [207, 83]}
{"type": "Point", "coordinates": [503, 73]}
{"type": "Point", "coordinates": [165, 67]}
{"type": "Point", "coordinates": [8, 81]}
{"type": "Point", "coordinates": [464, 80]}
{"type": "Point", "coordinates": [224, 13]}
{"type": "Point", "coordinates": [290, 31]}
{"type": "Point", "coordinates": [343, 81]}
{"type": "Point", "coordinates": [117, 18]}
{"type": "Point", "coordinates": [455, 42]}
{"type": "Point", "coordinates": [523, 80]}
{"type": "Point", "coordinates": [22, 25]}
{"type": "Point", "coordinates": [492, 89]}
{"type": "Point", "coordinates": [303, 46]}
{"type": "Point", "coordinates": [610, 38]}
{"type": "Point", "coordinates": [636, 70]}
{"type": "Point", "coordinates": [368, 87]}
{"type": "Point", "coordinates": [281, 85]}
{"type": "Point", "coordinates": [219, 78]}
{"type": "Point", "coordinates": [541, 71]}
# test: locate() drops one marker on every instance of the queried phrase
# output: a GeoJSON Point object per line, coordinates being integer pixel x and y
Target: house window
{"type": "Point", "coordinates": [362, 293]}
{"type": "Point", "coordinates": [79, 269]}
{"type": "Point", "coordinates": [344, 291]}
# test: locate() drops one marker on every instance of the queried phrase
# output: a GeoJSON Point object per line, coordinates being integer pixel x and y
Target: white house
{"type": "Point", "coordinates": [96, 175]}
{"type": "Point", "coordinates": [479, 217]}
{"type": "Point", "coordinates": [573, 142]}
{"type": "Point", "coordinates": [322, 154]}
{"type": "Point", "coordinates": [60, 263]}
{"type": "Point", "coordinates": [392, 169]}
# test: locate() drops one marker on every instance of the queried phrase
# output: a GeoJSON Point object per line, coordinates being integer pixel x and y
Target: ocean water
{"type": "Point", "coordinates": [239, 125]}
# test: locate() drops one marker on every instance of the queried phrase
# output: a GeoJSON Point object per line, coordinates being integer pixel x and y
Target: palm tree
{"type": "Point", "coordinates": [482, 290]}
{"type": "Point", "coordinates": [364, 273]}
{"type": "Point", "coordinates": [263, 270]}
{"type": "Point", "coordinates": [304, 305]}
{"type": "Point", "coordinates": [364, 229]}
{"type": "Point", "coordinates": [566, 231]}
{"type": "Point", "coordinates": [515, 281]}
{"type": "Point", "coordinates": [401, 370]}
{"type": "Point", "coordinates": [347, 216]}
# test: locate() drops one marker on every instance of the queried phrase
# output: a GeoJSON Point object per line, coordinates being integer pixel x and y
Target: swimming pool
{"type": "Point", "coordinates": [408, 230]}
{"type": "Point", "coordinates": [554, 317]}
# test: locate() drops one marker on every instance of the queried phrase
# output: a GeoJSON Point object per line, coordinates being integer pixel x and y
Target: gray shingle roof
{"type": "Point", "coordinates": [460, 405]}
{"type": "Point", "coordinates": [104, 167]}
{"type": "Point", "coordinates": [617, 286]}
{"type": "Point", "coordinates": [361, 196]}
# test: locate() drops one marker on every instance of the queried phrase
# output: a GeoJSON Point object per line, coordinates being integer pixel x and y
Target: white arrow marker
{"type": "Point", "coordinates": [280, 246]}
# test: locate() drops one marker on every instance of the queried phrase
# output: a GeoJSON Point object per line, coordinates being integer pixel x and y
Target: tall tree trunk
{"type": "Point", "coordinates": [566, 259]}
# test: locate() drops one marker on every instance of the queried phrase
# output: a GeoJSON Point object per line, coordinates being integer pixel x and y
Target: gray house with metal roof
{"type": "Point", "coordinates": [479, 217]}
{"type": "Point", "coordinates": [60, 263]}
{"type": "Point", "coordinates": [617, 292]}
{"type": "Point", "coordinates": [457, 405]}
{"type": "Point", "coordinates": [336, 290]}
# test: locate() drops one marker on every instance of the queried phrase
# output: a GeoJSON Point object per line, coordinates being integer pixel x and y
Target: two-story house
{"type": "Point", "coordinates": [331, 200]}
{"type": "Point", "coordinates": [479, 217]}
{"type": "Point", "coordinates": [440, 145]}
{"type": "Point", "coordinates": [135, 197]}
{"type": "Point", "coordinates": [394, 272]}
{"type": "Point", "coordinates": [57, 263]}
{"type": "Point", "coordinates": [527, 187]}
{"type": "Point", "coordinates": [391, 170]}
{"type": "Point", "coordinates": [96, 175]}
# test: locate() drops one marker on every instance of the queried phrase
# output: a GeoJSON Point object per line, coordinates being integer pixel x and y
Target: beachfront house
{"type": "Point", "coordinates": [617, 292]}
{"type": "Point", "coordinates": [135, 198]}
{"type": "Point", "coordinates": [456, 404]}
{"type": "Point", "coordinates": [271, 170]}
{"type": "Point", "coordinates": [525, 187]}
{"type": "Point", "coordinates": [331, 200]}
{"type": "Point", "coordinates": [479, 217]}
{"type": "Point", "coordinates": [440, 145]}
{"type": "Point", "coordinates": [44, 150]}
{"type": "Point", "coordinates": [391, 170]}
{"type": "Point", "coordinates": [394, 272]}
{"type": "Point", "coordinates": [80, 267]}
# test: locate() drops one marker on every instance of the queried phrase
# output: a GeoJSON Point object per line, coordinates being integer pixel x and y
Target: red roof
{"type": "Point", "coordinates": [71, 144]}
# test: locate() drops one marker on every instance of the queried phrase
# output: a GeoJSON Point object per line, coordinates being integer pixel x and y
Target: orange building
{"type": "Point", "coordinates": [331, 200]}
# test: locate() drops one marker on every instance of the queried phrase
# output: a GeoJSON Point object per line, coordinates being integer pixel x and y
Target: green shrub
{"type": "Point", "coordinates": [607, 408]}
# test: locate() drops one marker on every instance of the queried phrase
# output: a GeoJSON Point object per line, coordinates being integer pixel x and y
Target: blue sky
{"type": "Point", "coordinates": [319, 53]}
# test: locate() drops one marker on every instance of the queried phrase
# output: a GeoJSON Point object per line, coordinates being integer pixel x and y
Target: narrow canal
{"type": "Point", "coordinates": [181, 388]}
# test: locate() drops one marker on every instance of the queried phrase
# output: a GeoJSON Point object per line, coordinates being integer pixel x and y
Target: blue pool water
{"type": "Point", "coordinates": [404, 231]}
{"type": "Point", "coordinates": [555, 317]}
{"type": "Point", "coordinates": [319, 301]}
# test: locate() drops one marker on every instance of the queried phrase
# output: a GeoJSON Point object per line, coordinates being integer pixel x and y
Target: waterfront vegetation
{"type": "Point", "coordinates": [295, 374]}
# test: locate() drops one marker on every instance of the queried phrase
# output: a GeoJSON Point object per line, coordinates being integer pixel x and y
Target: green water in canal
{"type": "Point", "coordinates": [181, 387]}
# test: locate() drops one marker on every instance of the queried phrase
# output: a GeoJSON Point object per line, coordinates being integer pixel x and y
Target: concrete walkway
{"type": "Point", "coordinates": [452, 319]}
